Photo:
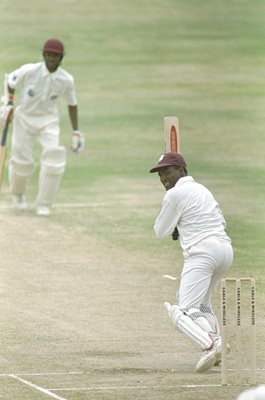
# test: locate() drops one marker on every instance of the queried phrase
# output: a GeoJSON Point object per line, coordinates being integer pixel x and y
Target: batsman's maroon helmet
{"type": "Point", "coordinates": [168, 159]}
{"type": "Point", "coordinates": [53, 46]}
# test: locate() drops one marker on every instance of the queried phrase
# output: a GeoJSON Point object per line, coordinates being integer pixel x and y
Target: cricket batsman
{"type": "Point", "coordinates": [191, 214]}
{"type": "Point", "coordinates": [41, 85]}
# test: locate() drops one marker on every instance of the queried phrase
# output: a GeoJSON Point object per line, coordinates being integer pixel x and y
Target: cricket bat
{"type": "Point", "coordinates": [171, 134]}
{"type": "Point", "coordinates": [3, 147]}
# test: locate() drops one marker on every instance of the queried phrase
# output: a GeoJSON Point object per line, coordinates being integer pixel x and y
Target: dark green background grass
{"type": "Point", "coordinates": [134, 63]}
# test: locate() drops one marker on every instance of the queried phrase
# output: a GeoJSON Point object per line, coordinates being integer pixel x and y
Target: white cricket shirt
{"type": "Point", "coordinates": [192, 208]}
{"type": "Point", "coordinates": [40, 90]}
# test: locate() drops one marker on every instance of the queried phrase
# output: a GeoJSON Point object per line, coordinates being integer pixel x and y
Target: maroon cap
{"type": "Point", "coordinates": [53, 46]}
{"type": "Point", "coordinates": [169, 159]}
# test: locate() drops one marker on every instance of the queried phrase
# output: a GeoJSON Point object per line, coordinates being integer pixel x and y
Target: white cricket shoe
{"type": "Point", "coordinates": [19, 202]}
{"type": "Point", "coordinates": [208, 359]}
{"type": "Point", "coordinates": [43, 211]}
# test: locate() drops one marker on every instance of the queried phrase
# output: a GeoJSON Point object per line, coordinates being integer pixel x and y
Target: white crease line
{"type": "Point", "coordinates": [131, 387]}
{"type": "Point", "coordinates": [39, 388]}
{"type": "Point", "coordinates": [51, 373]}
{"type": "Point", "coordinates": [61, 205]}
{"type": "Point", "coordinates": [79, 205]}
{"type": "Point", "coordinates": [172, 278]}
{"type": "Point", "coordinates": [194, 386]}
{"type": "Point", "coordinates": [82, 373]}
{"type": "Point", "coordinates": [43, 373]}
{"type": "Point", "coordinates": [98, 388]}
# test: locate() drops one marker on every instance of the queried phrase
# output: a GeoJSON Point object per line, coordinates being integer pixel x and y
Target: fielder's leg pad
{"type": "Point", "coordinates": [19, 172]}
{"type": "Point", "coordinates": [53, 162]}
{"type": "Point", "coordinates": [186, 325]}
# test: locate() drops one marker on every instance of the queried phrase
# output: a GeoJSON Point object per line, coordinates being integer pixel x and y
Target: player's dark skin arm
{"type": "Point", "coordinates": [73, 114]}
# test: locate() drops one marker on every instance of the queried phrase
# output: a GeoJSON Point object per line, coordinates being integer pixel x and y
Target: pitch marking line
{"type": "Point", "coordinates": [131, 387]}
{"type": "Point", "coordinates": [61, 205]}
{"type": "Point", "coordinates": [86, 389]}
{"type": "Point", "coordinates": [43, 373]}
{"type": "Point", "coordinates": [39, 388]}
{"type": "Point", "coordinates": [50, 391]}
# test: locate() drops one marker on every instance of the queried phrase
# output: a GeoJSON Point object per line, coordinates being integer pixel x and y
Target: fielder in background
{"type": "Point", "coordinates": [191, 214]}
{"type": "Point", "coordinates": [256, 393]}
{"type": "Point", "coordinates": [41, 86]}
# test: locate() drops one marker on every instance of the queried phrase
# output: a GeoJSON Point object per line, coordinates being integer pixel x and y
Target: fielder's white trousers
{"type": "Point", "coordinates": [205, 264]}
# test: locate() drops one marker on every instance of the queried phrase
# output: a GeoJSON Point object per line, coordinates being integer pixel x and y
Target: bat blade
{"type": "Point", "coordinates": [3, 147]}
{"type": "Point", "coordinates": [3, 152]}
{"type": "Point", "coordinates": [171, 134]}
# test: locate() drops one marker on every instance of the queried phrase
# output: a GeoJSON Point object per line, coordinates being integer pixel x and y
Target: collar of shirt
{"type": "Point", "coordinates": [183, 180]}
{"type": "Point", "coordinates": [45, 71]}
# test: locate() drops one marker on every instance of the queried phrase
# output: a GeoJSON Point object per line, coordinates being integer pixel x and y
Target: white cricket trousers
{"type": "Point", "coordinates": [27, 128]}
{"type": "Point", "coordinates": [205, 264]}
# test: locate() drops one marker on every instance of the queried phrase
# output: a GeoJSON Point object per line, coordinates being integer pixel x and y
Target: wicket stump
{"type": "Point", "coordinates": [237, 285]}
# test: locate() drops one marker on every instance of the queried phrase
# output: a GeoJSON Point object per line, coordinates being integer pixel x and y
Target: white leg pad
{"type": "Point", "coordinates": [53, 163]}
{"type": "Point", "coordinates": [200, 319]}
{"type": "Point", "coordinates": [18, 174]}
{"type": "Point", "coordinates": [186, 325]}
{"type": "Point", "coordinates": [211, 317]}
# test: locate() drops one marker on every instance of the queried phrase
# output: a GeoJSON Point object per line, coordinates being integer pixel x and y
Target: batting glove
{"type": "Point", "coordinates": [78, 142]}
{"type": "Point", "coordinates": [6, 114]}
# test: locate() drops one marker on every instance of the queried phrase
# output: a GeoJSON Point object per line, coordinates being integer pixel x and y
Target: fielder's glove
{"type": "Point", "coordinates": [6, 114]}
{"type": "Point", "coordinates": [175, 234]}
{"type": "Point", "coordinates": [78, 142]}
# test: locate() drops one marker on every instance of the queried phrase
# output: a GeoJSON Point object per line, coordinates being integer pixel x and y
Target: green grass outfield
{"type": "Point", "coordinates": [135, 62]}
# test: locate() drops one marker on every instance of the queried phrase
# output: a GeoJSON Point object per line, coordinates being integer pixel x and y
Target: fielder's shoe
{"type": "Point", "coordinates": [19, 202]}
{"type": "Point", "coordinates": [208, 359]}
{"type": "Point", "coordinates": [43, 211]}
{"type": "Point", "coordinates": [218, 358]}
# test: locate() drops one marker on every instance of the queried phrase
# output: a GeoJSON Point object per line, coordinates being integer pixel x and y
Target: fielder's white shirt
{"type": "Point", "coordinates": [40, 90]}
{"type": "Point", "coordinates": [192, 208]}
